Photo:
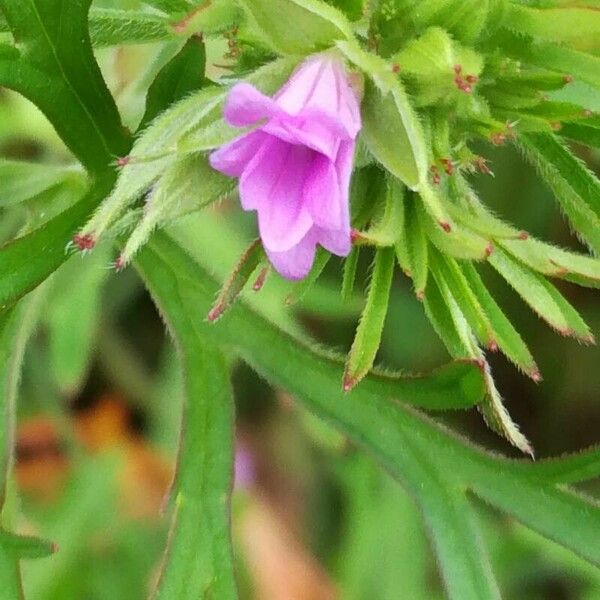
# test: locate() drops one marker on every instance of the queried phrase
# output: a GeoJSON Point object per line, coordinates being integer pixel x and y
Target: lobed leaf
{"type": "Point", "coordinates": [428, 459]}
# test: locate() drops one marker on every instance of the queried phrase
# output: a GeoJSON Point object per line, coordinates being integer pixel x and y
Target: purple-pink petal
{"type": "Point", "coordinates": [322, 195]}
{"type": "Point", "coordinates": [295, 263]}
{"type": "Point", "coordinates": [245, 105]}
{"type": "Point", "coordinates": [232, 158]}
{"type": "Point", "coordinates": [273, 183]}
{"type": "Point", "coordinates": [295, 168]}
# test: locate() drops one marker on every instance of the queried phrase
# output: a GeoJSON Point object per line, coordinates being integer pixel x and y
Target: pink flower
{"type": "Point", "coordinates": [295, 168]}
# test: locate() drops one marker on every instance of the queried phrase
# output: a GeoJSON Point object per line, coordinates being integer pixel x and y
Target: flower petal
{"type": "Point", "coordinates": [337, 241]}
{"type": "Point", "coordinates": [320, 86]}
{"type": "Point", "coordinates": [272, 183]}
{"type": "Point", "coordinates": [322, 195]}
{"type": "Point", "coordinates": [317, 131]}
{"type": "Point", "coordinates": [231, 159]}
{"type": "Point", "coordinates": [296, 262]}
{"type": "Point", "coordinates": [245, 105]}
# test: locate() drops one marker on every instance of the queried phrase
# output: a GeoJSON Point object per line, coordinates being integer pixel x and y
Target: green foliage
{"type": "Point", "coordinates": [435, 466]}
{"type": "Point", "coordinates": [56, 70]}
{"type": "Point", "coordinates": [441, 79]}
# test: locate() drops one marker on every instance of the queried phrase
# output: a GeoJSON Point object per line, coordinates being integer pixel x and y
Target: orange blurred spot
{"type": "Point", "coordinates": [41, 465]}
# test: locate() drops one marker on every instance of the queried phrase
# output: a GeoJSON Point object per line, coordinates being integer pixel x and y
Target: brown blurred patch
{"type": "Point", "coordinates": [281, 568]}
{"type": "Point", "coordinates": [41, 464]}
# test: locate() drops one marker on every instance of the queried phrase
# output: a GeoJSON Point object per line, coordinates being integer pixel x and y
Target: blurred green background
{"type": "Point", "coordinates": [99, 412]}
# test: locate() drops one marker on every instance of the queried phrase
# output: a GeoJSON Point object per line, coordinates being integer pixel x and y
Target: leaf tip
{"type": "Point", "coordinates": [535, 375]}
{"type": "Point", "coordinates": [260, 280]}
{"type": "Point", "coordinates": [348, 381]}
{"type": "Point", "coordinates": [215, 312]}
{"type": "Point", "coordinates": [84, 241]}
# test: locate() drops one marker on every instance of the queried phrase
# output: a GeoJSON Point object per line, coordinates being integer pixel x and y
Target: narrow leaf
{"type": "Point", "coordinates": [575, 188]}
{"type": "Point", "coordinates": [447, 270]}
{"type": "Point", "coordinates": [368, 334]}
{"type": "Point", "coordinates": [541, 296]}
{"type": "Point", "coordinates": [183, 74]}
{"type": "Point", "coordinates": [349, 274]}
{"type": "Point", "coordinates": [248, 263]}
{"type": "Point", "coordinates": [507, 337]}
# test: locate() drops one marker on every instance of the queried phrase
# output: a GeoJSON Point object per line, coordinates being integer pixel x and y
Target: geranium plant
{"type": "Point", "coordinates": [351, 129]}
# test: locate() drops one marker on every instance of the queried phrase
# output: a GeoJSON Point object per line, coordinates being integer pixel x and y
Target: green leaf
{"type": "Point", "coordinates": [541, 296]}
{"type": "Point", "coordinates": [553, 261]}
{"type": "Point", "coordinates": [553, 57]}
{"type": "Point", "coordinates": [73, 317]}
{"type": "Point", "coordinates": [198, 561]}
{"type": "Point", "coordinates": [183, 74]}
{"type": "Point", "coordinates": [16, 327]}
{"type": "Point", "coordinates": [507, 337]}
{"type": "Point", "coordinates": [574, 25]}
{"type": "Point", "coordinates": [455, 241]}
{"type": "Point", "coordinates": [412, 248]}
{"type": "Point", "coordinates": [449, 321]}
{"type": "Point", "coordinates": [57, 71]}
{"type": "Point", "coordinates": [456, 385]}
{"type": "Point", "coordinates": [315, 24]}
{"type": "Point", "coordinates": [186, 186]}
{"type": "Point", "coordinates": [368, 334]}
{"type": "Point", "coordinates": [436, 466]}
{"type": "Point", "coordinates": [582, 132]}
{"type": "Point", "coordinates": [575, 187]}
{"type": "Point", "coordinates": [23, 180]}
{"type": "Point", "coordinates": [112, 27]}
{"type": "Point", "coordinates": [446, 269]}
{"type": "Point", "coordinates": [247, 264]}
{"type": "Point", "coordinates": [28, 260]}
{"type": "Point", "coordinates": [386, 135]}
